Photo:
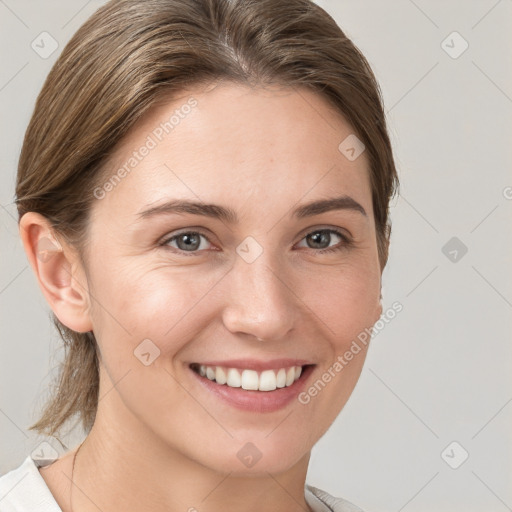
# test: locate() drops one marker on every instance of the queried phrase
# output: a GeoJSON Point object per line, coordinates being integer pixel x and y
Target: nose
{"type": "Point", "coordinates": [260, 300]}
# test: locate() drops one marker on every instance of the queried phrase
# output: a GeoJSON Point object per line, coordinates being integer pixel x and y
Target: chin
{"type": "Point", "coordinates": [259, 457]}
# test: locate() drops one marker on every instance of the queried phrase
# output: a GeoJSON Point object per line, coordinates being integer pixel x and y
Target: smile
{"type": "Point", "coordinates": [251, 386]}
{"type": "Point", "coordinates": [267, 380]}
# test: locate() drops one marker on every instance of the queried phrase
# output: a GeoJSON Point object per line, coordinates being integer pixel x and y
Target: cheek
{"type": "Point", "coordinates": [148, 311]}
{"type": "Point", "coordinates": [345, 299]}
{"type": "Point", "coordinates": [160, 303]}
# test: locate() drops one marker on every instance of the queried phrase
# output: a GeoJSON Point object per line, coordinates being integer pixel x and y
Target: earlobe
{"type": "Point", "coordinates": [378, 310]}
{"type": "Point", "coordinates": [58, 271]}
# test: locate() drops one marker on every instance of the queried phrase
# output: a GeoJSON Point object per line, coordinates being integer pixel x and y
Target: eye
{"type": "Point", "coordinates": [322, 238]}
{"type": "Point", "coordinates": [187, 241]}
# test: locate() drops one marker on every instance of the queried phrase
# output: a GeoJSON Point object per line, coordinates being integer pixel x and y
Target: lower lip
{"type": "Point", "coordinates": [256, 401]}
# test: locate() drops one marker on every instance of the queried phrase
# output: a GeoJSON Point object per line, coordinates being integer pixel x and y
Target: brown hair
{"type": "Point", "coordinates": [127, 56]}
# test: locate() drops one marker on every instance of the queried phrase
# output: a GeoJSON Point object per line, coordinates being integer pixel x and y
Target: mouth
{"type": "Point", "coordinates": [249, 379]}
{"type": "Point", "coordinates": [255, 389]}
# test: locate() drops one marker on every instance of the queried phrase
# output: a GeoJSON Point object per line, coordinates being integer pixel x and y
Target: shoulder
{"type": "Point", "coordinates": [321, 501]}
{"type": "Point", "coordinates": [23, 489]}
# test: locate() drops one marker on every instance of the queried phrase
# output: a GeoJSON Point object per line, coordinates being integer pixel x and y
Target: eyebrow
{"type": "Point", "coordinates": [229, 215]}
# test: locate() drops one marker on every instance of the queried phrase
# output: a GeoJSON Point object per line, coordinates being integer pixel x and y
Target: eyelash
{"type": "Point", "coordinates": [344, 244]}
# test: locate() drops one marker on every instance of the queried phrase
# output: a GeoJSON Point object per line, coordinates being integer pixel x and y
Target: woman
{"type": "Point", "coordinates": [203, 196]}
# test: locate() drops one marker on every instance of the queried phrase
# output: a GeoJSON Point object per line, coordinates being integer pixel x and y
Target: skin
{"type": "Point", "coordinates": [160, 442]}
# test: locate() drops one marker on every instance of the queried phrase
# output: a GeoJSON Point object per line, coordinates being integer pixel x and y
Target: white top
{"type": "Point", "coordinates": [24, 490]}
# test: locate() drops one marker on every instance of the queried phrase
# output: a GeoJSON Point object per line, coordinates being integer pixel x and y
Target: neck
{"type": "Point", "coordinates": [123, 466]}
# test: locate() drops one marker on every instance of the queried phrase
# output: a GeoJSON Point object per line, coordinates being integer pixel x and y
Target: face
{"type": "Point", "coordinates": [257, 282]}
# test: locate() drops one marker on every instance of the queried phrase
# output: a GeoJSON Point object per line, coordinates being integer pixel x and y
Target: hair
{"type": "Point", "coordinates": [129, 55]}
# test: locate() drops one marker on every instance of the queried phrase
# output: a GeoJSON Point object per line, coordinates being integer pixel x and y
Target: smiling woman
{"type": "Point", "coordinates": [203, 188]}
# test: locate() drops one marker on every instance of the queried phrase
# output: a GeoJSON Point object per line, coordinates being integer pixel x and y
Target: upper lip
{"type": "Point", "coordinates": [259, 366]}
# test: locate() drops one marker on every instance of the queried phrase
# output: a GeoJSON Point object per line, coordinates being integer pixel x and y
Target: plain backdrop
{"type": "Point", "coordinates": [428, 426]}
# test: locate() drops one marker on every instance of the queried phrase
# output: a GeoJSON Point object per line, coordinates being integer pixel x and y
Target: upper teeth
{"type": "Point", "coordinates": [267, 380]}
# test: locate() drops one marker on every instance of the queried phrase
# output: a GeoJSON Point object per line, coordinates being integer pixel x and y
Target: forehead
{"type": "Point", "coordinates": [239, 144]}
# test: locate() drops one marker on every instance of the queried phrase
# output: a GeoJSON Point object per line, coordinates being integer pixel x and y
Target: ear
{"type": "Point", "coordinates": [378, 308]}
{"type": "Point", "coordinates": [58, 270]}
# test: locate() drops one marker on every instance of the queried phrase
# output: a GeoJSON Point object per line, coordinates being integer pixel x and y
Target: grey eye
{"type": "Point", "coordinates": [188, 241]}
{"type": "Point", "coordinates": [321, 238]}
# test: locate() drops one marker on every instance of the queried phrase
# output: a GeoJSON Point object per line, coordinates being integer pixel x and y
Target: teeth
{"type": "Point", "coordinates": [234, 379]}
{"type": "Point", "coordinates": [267, 380]}
{"type": "Point", "coordinates": [281, 378]}
{"type": "Point", "coordinates": [290, 376]}
{"type": "Point", "coordinates": [250, 380]}
{"type": "Point", "coordinates": [220, 375]}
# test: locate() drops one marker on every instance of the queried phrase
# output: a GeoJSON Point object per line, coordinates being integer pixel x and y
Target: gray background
{"type": "Point", "coordinates": [440, 371]}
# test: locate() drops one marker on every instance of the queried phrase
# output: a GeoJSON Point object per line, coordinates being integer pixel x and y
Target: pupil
{"type": "Point", "coordinates": [191, 241]}
{"type": "Point", "coordinates": [320, 236]}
